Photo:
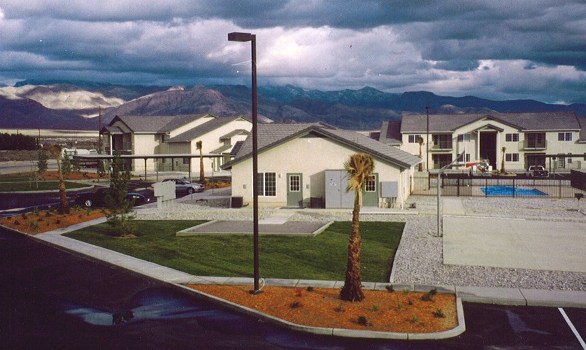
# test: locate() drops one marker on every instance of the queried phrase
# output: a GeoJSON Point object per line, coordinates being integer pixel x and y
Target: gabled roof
{"type": "Point", "coordinates": [203, 129]}
{"type": "Point", "coordinates": [155, 124]}
{"type": "Point", "coordinates": [447, 123]}
{"type": "Point", "coordinates": [390, 133]}
{"type": "Point", "coordinates": [272, 135]}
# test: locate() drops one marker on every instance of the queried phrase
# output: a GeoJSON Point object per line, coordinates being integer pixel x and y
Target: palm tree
{"type": "Point", "coordinates": [55, 151]}
{"type": "Point", "coordinates": [199, 146]}
{"type": "Point", "coordinates": [359, 167]}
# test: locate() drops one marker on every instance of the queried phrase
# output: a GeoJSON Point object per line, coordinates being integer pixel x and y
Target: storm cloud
{"type": "Point", "coordinates": [492, 49]}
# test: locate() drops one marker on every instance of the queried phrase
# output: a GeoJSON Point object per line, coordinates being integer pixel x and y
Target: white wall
{"type": "Point", "coordinates": [310, 156]}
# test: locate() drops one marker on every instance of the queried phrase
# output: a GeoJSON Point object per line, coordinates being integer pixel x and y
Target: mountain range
{"type": "Point", "coordinates": [76, 105]}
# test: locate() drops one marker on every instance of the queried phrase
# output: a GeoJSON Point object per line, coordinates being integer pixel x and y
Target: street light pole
{"type": "Point", "coordinates": [244, 37]}
{"type": "Point", "coordinates": [427, 142]}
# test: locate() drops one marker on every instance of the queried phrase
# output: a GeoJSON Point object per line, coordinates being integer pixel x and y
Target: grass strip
{"type": "Point", "coordinates": [322, 257]}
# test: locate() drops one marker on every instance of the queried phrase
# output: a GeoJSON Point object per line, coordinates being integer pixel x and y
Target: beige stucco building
{"type": "Point", "coordinates": [302, 165]}
{"type": "Point", "coordinates": [175, 135]}
{"type": "Point", "coordinates": [555, 140]}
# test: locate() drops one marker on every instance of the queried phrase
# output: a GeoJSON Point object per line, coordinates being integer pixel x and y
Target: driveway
{"type": "Point", "coordinates": [514, 243]}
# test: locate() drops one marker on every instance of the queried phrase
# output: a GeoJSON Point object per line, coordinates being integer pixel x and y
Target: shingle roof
{"type": "Point", "coordinates": [156, 124]}
{"type": "Point", "coordinates": [271, 135]}
{"type": "Point", "coordinates": [438, 123]}
{"type": "Point", "coordinates": [390, 133]}
{"type": "Point", "coordinates": [202, 129]}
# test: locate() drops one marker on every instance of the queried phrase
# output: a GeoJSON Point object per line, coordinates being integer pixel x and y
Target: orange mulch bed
{"type": "Point", "coordinates": [52, 175]}
{"type": "Point", "coordinates": [49, 220]}
{"type": "Point", "coordinates": [402, 312]}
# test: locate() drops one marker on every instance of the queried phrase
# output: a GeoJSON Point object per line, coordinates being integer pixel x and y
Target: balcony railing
{"type": "Point", "coordinates": [533, 144]}
{"type": "Point", "coordinates": [442, 146]}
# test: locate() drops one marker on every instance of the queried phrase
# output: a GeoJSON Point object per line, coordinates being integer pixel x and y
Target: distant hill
{"type": "Point", "coordinates": [74, 105]}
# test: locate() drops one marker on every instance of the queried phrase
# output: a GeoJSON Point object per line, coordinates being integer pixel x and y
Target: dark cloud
{"type": "Point", "coordinates": [444, 46]}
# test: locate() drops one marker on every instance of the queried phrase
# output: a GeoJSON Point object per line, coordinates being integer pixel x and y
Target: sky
{"type": "Point", "coordinates": [495, 49]}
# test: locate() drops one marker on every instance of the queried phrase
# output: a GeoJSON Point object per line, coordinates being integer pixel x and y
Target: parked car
{"type": "Point", "coordinates": [184, 186]}
{"type": "Point", "coordinates": [536, 171]}
{"type": "Point", "coordinates": [97, 198]}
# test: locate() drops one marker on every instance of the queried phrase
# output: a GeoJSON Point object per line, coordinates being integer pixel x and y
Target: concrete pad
{"type": "Point", "coordinates": [288, 228]}
{"type": "Point", "coordinates": [501, 296]}
{"type": "Point", "coordinates": [515, 243]}
{"type": "Point", "coordinates": [554, 298]}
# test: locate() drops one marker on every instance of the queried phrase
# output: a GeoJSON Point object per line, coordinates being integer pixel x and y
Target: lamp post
{"type": "Point", "coordinates": [427, 142]}
{"type": "Point", "coordinates": [244, 37]}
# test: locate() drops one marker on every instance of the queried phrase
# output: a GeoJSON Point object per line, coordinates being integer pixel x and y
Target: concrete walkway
{"type": "Point", "coordinates": [515, 243]}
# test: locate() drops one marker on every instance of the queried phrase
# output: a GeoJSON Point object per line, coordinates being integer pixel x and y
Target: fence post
{"type": "Point", "coordinates": [513, 188]}
{"type": "Point", "coordinates": [560, 188]}
{"type": "Point", "coordinates": [458, 187]}
{"type": "Point", "coordinates": [485, 187]}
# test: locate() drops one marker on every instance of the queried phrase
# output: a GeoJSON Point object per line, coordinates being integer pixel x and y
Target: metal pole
{"type": "Point", "coordinates": [427, 142]}
{"type": "Point", "coordinates": [255, 166]}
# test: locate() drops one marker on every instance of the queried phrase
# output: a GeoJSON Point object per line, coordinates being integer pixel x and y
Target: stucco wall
{"type": "Point", "coordinates": [310, 156]}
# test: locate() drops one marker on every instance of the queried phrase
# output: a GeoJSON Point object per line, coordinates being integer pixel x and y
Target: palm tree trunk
{"type": "Point", "coordinates": [352, 290]}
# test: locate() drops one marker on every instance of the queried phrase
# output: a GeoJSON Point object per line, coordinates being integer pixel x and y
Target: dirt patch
{"type": "Point", "coordinates": [402, 312]}
{"type": "Point", "coordinates": [48, 220]}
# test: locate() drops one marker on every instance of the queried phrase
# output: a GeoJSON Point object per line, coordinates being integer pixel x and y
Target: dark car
{"type": "Point", "coordinates": [184, 186]}
{"type": "Point", "coordinates": [97, 198]}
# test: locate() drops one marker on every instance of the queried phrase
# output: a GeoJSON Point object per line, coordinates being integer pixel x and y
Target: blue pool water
{"type": "Point", "coordinates": [509, 191]}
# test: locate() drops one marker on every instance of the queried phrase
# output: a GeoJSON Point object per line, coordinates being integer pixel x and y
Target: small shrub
{"type": "Point", "coordinates": [36, 211]}
{"type": "Point", "coordinates": [375, 308]}
{"type": "Point", "coordinates": [309, 289]}
{"type": "Point", "coordinates": [16, 222]}
{"type": "Point", "coordinates": [23, 215]}
{"type": "Point", "coordinates": [58, 222]}
{"type": "Point", "coordinates": [410, 301]}
{"type": "Point", "coordinates": [399, 305]}
{"type": "Point", "coordinates": [439, 313]}
{"type": "Point", "coordinates": [48, 214]}
{"type": "Point", "coordinates": [414, 320]}
{"type": "Point", "coordinates": [295, 305]}
{"type": "Point", "coordinates": [363, 321]}
{"type": "Point", "coordinates": [390, 288]}
{"type": "Point", "coordinates": [429, 295]}
{"type": "Point", "coordinates": [33, 226]}
{"type": "Point", "coordinates": [339, 309]}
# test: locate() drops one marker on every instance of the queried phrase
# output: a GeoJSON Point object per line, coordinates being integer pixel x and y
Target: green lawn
{"type": "Point", "coordinates": [322, 257]}
{"type": "Point", "coordinates": [9, 186]}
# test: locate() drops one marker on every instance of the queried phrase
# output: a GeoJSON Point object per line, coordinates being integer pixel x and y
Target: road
{"type": "Point", "coordinates": [50, 298]}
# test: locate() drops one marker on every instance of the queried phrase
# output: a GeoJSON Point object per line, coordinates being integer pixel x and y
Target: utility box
{"type": "Point", "coordinates": [336, 195]}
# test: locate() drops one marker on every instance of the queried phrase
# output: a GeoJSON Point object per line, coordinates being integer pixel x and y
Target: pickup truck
{"type": "Point", "coordinates": [537, 171]}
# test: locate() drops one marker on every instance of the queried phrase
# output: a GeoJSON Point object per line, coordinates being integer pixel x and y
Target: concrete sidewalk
{"type": "Point", "coordinates": [515, 243]}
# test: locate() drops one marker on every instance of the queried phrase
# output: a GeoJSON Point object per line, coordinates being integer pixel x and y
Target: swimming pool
{"type": "Point", "coordinates": [510, 191]}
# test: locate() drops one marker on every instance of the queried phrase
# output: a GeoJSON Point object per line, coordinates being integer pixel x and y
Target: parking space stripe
{"type": "Point", "coordinates": [571, 325]}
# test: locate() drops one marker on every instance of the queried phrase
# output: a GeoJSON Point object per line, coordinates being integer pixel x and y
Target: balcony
{"type": "Point", "coordinates": [442, 145]}
{"type": "Point", "coordinates": [533, 145]}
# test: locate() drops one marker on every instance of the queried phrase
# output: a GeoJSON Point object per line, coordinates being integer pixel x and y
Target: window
{"type": "Point", "coordinates": [512, 157]}
{"type": "Point", "coordinates": [267, 184]}
{"type": "Point", "coordinates": [414, 138]}
{"type": "Point", "coordinates": [463, 137]}
{"type": "Point", "coordinates": [466, 157]}
{"type": "Point", "coordinates": [186, 161]}
{"type": "Point", "coordinates": [294, 183]}
{"type": "Point", "coordinates": [371, 184]}
{"type": "Point", "coordinates": [564, 136]}
{"type": "Point", "coordinates": [512, 137]}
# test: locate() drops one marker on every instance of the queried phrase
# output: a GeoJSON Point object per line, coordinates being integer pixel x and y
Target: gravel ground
{"type": "Point", "coordinates": [419, 257]}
